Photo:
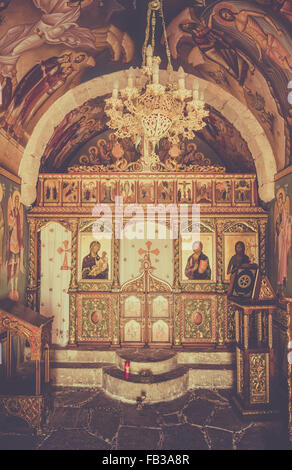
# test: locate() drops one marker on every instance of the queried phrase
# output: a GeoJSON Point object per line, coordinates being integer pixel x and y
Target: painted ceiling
{"type": "Point", "coordinates": [48, 47]}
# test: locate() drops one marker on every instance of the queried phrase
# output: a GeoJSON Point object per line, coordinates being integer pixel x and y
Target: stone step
{"type": "Point", "coordinates": [206, 357]}
{"type": "Point", "coordinates": [142, 358]}
{"type": "Point", "coordinates": [166, 386]}
{"type": "Point", "coordinates": [211, 376]}
{"type": "Point", "coordinates": [77, 374]}
{"type": "Point", "coordinates": [154, 361]}
{"type": "Point", "coordinates": [82, 355]}
{"type": "Point", "coordinates": [158, 388]}
{"type": "Point", "coordinates": [164, 374]}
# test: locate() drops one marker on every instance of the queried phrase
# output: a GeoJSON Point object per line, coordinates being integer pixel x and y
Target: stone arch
{"type": "Point", "coordinates": [230, 107]}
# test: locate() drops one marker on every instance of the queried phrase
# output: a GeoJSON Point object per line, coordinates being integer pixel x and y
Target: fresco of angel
{"type": "Point", "coordinates": [2, 228]}
{"type": "Point", "coordinates": [68, 132]}
{"type": "Point", "coordinates": [41, 82]}
{"type": "Point", "coordinates": [58, 24]}
{"type": "Point", "coordinates": [284, 7]}
{"type": "Point", "coordinates": [245, 23]}
{"type": "Point", "coordinates": [209, 45]}
{"type": "Point", "coordinates": [282, 231]}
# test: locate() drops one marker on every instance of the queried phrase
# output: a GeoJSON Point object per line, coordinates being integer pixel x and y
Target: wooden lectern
{"type": "Point", "coordinates": [254, 302]}
{"type": "Point", "coordinates": [17, 397]}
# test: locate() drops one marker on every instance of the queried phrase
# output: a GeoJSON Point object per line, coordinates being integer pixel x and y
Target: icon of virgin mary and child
{"type": "Point", "coordinates": [93, 265]}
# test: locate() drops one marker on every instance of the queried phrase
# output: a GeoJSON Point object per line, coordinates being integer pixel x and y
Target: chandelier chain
{"type": "Point", "coordinates": [147, 33]}
{"type": "Point", "coordinates": [153, 28]}
{"type": "Point", "coordinates": [147, 113]}
{"type": "Point", "coordinates": [165, 34]}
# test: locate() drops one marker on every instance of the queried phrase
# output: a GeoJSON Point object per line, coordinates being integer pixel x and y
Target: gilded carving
{"type": "Point", "coordinates": [137, 285]}
{"type": "Point", "coordinates": [199, 323]}
{"type": "Point", "coordinates": [115, 319]}
{"type": "Point", "coordinates": [32, 263]}
{"type": "Point", "coordinates": [29, 408]}
{"type": "Point", "coordinates": [94, 317]}
{"type": "Point", "coordinates": [221, 315]}
{"type": "Point", "coordinates": [116, 265]}
{"type": "Point", "coordinates": [262, 245]}
{"type": "Point", "coordinates": [156, 285]}
{"type": "Point", "coordinates": [217, 323]}
{"type": "Point", "coordinates": [177, 321]}
{"type": "Point", "coordinates": [240, 226]}
{"type": "Point", "coordinates": [74, 247]}
{"type": "Point", "coordinates": [94, 287]}
{"type": "Point", "coordinates": [258, 366]}
{"type": "Point", "coordinates": [219, 242]}
{"type": "Point", "coordinates": [198, 287]}
{"type": "Point", "coordinates": [72, 318]}
{"type": "Point", "coordinates": [170, 164]}
{"type": "Point", "coordinates": [122, 172]}
{"type": "Point", "coordinates": [265, 291]}
{"type": "Point", "coordinates": [239, 371]}
{"type": "Point", "coordinates": [176, 268]}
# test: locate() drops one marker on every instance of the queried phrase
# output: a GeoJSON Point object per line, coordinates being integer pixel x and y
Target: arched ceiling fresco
{"type": "Point", "coordinates": [82, 138]}
{"type": "Point", "coordinates": [63, 122]}
{"type": "Point", "coordinates": [48, 47]}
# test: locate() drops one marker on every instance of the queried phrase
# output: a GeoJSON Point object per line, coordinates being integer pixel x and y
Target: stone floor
{"type": "Point", "coordinates": [88, 419]}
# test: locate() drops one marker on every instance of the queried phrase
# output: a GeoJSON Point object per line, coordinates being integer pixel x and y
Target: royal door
{"type": "Point", "coordinates": [146, 305]}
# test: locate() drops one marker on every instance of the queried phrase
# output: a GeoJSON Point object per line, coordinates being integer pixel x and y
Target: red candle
{"type": "Point", "coordinates": [127, 369]}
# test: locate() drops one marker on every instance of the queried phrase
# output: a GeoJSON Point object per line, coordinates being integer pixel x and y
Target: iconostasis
{"type": "Point", "coordinates": [114, 277]}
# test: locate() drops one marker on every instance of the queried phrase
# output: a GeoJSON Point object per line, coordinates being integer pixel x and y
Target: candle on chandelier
{"type": "Point", "coordinates": [149, 54]}
{"type": "Point", "coordinates": [156, 73]}
{"type": "Point", "coordinates": [195, 90]}
{"type": "Point", "coordinates": [115, 90]}
{"type": "Point", "coordinates": [181, 78]}
{"type": "Point", "coordinates": [195, 84]}
{"type": "Point", "coordinates": [170, 73]}
{"type": "Point", "coordinates": [131, 77]}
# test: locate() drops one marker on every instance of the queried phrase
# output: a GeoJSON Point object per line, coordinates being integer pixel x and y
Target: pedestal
{"type": "Point", "coordinates": [254, 395]}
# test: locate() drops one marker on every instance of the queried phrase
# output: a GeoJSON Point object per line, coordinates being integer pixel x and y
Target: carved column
{"type": "Point", "coordinates": [221, 315]}
{"type": "Point", "coordinates": [176, 266]}
{"type": "Point", "coordinates": [73, 283]}
{"type": "Point", "coordinates": [116, 266]}
{"type": "Point", "coordinates": [32, 287]}
{"type": "Point", "coordinates": [115, 299]}
{"type": "Point", "coordinates": [219, 242]}
{"type": "Point", "coordinates": [177, 313]}
{"type": "Point", "coordinates": [73, 226]}
{"type": "Point", "coordinates": [177, 320]}
{"type": "Point", "coordinates": [116, 321]}
{"type": "Point", "coordinates": [262, 245]}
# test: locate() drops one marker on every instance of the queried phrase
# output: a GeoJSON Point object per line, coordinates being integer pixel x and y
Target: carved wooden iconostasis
{"type": "Point", "coordinates": [139, 292]}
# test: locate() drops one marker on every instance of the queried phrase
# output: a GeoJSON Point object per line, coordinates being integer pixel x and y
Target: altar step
{"type": "Point", "coordinates": [162, 374]}
{"type": "Point", "coordinates": [157, 388]}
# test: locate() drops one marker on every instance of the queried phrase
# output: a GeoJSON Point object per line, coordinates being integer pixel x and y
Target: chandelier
{"type": "Point", "coordinates": [147, 111]}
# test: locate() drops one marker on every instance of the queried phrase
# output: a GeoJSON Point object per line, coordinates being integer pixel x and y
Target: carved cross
{"type": "Point", "coordinates": [148, 252]}
{"type": "Point", "coordinates": [65, 250]}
